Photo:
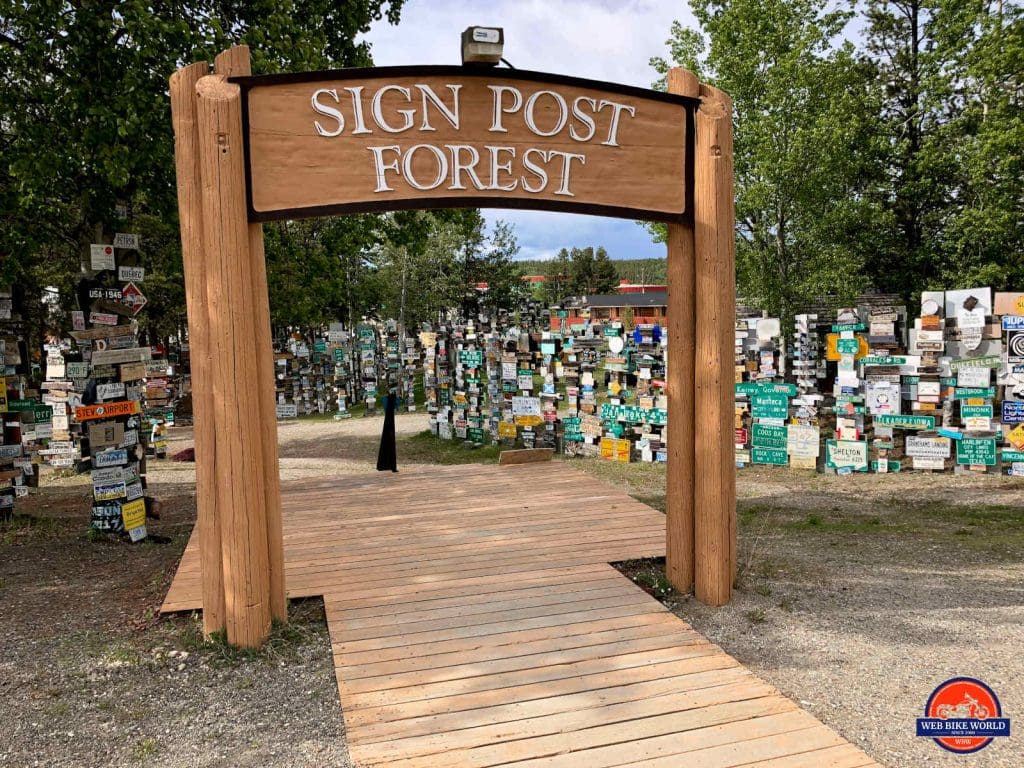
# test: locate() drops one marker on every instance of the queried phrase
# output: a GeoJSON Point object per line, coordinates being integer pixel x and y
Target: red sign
{"type": "Point", "coordinates": [131, 296]}
{"type": "Point", "coordinates": [741, 436]}
{"type": "Point", "coordinates": [107, 410]}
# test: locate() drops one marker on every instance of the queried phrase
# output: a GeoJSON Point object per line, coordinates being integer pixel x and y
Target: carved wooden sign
{"type": "Point", "coordinates": [429, 137]}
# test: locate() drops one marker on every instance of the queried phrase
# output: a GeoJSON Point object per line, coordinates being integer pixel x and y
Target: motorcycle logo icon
{"type": "Point", "coordinates": [963, 715]}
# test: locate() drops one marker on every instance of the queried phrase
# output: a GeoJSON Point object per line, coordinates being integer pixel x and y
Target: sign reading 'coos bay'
{"type": "Point", "coordinates": [386, 139]}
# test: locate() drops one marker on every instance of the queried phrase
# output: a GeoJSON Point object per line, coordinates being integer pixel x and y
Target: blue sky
{"type": "Point", "coordinates": [608, 40]}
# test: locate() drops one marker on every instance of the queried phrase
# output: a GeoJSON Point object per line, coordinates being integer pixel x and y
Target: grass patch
{"type": "Point", "coordinates": [426, 448]}
{"type": "Point", "coordinates": [287, 643]}
{"type": "Point", "coordinates": [23, 529]}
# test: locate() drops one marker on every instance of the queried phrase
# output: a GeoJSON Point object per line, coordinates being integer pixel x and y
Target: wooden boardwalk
{"type": "Point", "coordinates": [475, 622]}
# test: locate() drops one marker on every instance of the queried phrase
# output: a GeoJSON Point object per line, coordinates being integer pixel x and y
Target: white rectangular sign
{"type": "Point", "coordinates": [526, 406]}
{"type": "Point", "coordinates": [928, 447]}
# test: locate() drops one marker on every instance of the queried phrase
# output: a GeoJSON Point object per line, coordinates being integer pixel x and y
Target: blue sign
{"type": "Point", "coordinates": [1013, 322]}
{"type": "Point", "coordinates": [1013, 411]}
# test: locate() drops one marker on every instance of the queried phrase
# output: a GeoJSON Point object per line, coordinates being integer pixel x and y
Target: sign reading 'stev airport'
{"type": "Point", "coordinates": [427, 137]}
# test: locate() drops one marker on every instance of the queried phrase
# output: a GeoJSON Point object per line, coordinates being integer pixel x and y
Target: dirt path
{"type": "Point", "coordinates": [856, 597]}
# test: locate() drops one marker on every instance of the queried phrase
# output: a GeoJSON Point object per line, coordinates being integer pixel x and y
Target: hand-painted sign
{"type": "Point", "coordinates": [357, 140]}
{"type": "Point", "coordinates": [616, 450]}
{"type": "Point", "coordinates": [526, 406]}
{"type": "Point", "coordinates": [803, 441]}
{"type": "Point", "coordinates": [899, 421]}
{"type": "Point", "coordinates": [846, 454]}
{"type": "Point", "coordinates": [107, 410]}
{"type": "Point", "coordinates": [506, 429]}
{"type": "Point", "coordinates": [287, 411]}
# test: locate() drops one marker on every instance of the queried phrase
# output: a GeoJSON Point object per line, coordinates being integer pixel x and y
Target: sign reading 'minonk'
{"type": "Point", "coordinates": [392, 138]}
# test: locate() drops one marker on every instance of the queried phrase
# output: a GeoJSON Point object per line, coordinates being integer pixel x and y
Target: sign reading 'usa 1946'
{"type": "Point", "coordinates": [391, 138]}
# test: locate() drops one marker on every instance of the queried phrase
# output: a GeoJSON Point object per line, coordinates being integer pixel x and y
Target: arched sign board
{"type": "Point", "coordinates": [255, 149]}
{"type": "Point", "coordinates": [381, 139]}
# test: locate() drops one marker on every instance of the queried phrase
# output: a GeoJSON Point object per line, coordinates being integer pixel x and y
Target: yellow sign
{"type": "Point", "coordinates": [506, 429]}
{"type": "Point", "coordinates": [529, 421]}
{"type": "Point", "coordinates": [134, 514]}
{"type": "Point", "coordinates": [3, 395]}
{"type": "Point", "coordinates": [615, 450]}
{"type": "Point", "coordinates": [1016, 437]}
{"type": "Point", "coordinates": [615, 387]}
{"type": "Point", "coordinates": [832, 353]}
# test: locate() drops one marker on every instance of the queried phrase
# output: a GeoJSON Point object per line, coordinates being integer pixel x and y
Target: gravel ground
{"type": "Point", "coordinates": [856, 597]}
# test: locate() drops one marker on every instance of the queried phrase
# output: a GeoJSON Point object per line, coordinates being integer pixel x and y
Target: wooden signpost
{"type": "Point", "coordinates": [254, 149]}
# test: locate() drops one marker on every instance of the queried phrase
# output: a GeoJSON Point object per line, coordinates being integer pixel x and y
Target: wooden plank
{"type": "Point", "coordinates": [525, 456]}
{"type": "Point", "coordinates": [582, 740]}
{"type": "Point", "coordinates": [235, 62]}
{"type": "Point", "coordinates": [682, 330]}
{"type": "Point", "coordinates": [240, 487]}
{"type": "Point", "coordinates": [714, 243]}
{"type": "Point", "coordinates": [561, 722]}
{"type": "Point", "coordinates": [190, 217]}
{"type": "Point", "coordinates": [471, 629]}
{"type": "Point", "coordinates": [589, 702]}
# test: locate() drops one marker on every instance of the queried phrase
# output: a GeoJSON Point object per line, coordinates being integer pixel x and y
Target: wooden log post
{"type": "Point", "coordinates": [190, 213]}
{"type": "Point", "coordinates": [236, 62]}
{"type": "Point", "coordinates": [679, 499]}
{"type": "Point", "coordinates": [714, 241]}
{"type": "Point", "coordinates": [241, 498]}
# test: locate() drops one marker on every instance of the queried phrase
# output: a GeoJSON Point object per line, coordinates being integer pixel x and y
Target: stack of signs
{"type": "Point", "coordinates": [525, 404]}
{"type": "Point", "coordinates": [882, 369]}
{"type": "Point", "coordinates": [109, 410]}
{"type": "Point", "coordinates": [846, 344]}
{"type": "Point", "coordinates": [550, 346]}
{"type": "Point", "coordinates": [393, 367]}
{"type": "Point", "coordinates": [1009, 307]}
{"type": "Point", "coordinates": [11, 476]}
{"type": "Point", "coordinates": [339, 352]}
{"type": "Point", "coordinates": [493, 349]}
{"type": "Point", "coordinates": [366, 352]}
{"type": "Point", "coordinates": [429, 344]}
{"type": "Point", "coordinates": [470, 373]}
{"type": "Point", "coordinates": [410, 360]}
{"type": "Point", "coordinates": [808, 369]}
{"type": "Point", "coordinates": [506, 372]}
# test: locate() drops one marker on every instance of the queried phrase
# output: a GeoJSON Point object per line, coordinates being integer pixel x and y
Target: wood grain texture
{"type": "Point", "coordinates": [294, 167]}
{"type": "Point", "coordinates": [235, 62]}
{"type": "Point", "coordinates": [473, 624]}
{"type": "Point", "coordinates": [190, 214]}
{"type": "Point", "coordinates": [240, 484]}
{"type": "Point", "coordinates": [525, 456]}
{"type": "Point", "coordinates": [714, 238]}
{"type": "Point", "coordinates": [682, 330]}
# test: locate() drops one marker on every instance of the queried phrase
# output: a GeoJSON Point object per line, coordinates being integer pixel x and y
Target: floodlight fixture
{"type": "Point", "coordinates": [482, 46]}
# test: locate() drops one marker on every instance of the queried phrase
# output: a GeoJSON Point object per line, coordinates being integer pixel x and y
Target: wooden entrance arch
{"type": "Point", "coordinates": [259, 149]}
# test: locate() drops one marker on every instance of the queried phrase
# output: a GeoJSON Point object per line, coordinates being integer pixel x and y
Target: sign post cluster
{"type": "Point", "coordinates": [254, 149]}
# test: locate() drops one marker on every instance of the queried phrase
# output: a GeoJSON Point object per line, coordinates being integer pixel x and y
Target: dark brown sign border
{"type": "Point", "coordinates": [427, 203]}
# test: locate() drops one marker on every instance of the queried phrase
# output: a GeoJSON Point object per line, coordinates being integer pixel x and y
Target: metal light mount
{"type": "Point", "coordinates": [482, 46]}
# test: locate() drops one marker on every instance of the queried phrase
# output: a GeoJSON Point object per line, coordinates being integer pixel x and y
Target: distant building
{"type": "Point", "coordinates": [648, 308]}
{"type": "Point", "coordinates": [627, 287]}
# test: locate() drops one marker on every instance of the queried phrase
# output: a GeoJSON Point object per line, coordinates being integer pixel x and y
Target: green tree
{"type": "Point", "coordinates": [84, 115]}
{"type": "Point", "coordinates": [806, 180]}
{"type": "Point", "coordinates": [953, 139]}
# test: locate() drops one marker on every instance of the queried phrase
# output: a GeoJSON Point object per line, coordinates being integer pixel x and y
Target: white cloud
{"type": "Point", "coordinates": [610, 40]}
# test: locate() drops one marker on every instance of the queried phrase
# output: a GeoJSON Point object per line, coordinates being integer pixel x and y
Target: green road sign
{"type": "Point", "coordinates": [976, 450]}
{"type": "Point", "coordinates": [769, 405]}
{"type": "Point", "coordinates": [775, 456]}
{"type": "Point", "coordinates": [847, 346]}
{"type": "Point", "coordinates": [905, 422]}
{"type": "Point", "coordinates": [768, 436]}
{"type": "Point", "coordinates": [965, 393]}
